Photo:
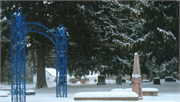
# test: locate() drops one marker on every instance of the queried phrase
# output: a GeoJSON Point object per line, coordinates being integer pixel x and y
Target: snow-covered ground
{"type": "Point", "coordinates": [168, 92]}
{"type": "Point", "coordinates": [53, 84]}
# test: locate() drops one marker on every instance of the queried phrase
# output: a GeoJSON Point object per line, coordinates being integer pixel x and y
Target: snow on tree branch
{"type": "Point", "coordinates": [126, 62]}
{"type": "Point", "coordinates": [166, 34]}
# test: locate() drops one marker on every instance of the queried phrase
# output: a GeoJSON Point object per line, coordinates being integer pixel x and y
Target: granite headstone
{"type": "Point", "coordinates": [101, 80]}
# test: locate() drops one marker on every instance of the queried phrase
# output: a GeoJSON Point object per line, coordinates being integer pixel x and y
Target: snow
{"type": "Point", "coordinates": [7, 87]}
{"type": "Point", "coordinates": [72, 76]}
{"type": "Point", "coordinates": [110, 81]}
{"type": "Point", "coordinates": [105, 39]}
{"type": "Point", "coordinates": [128, 82]}
{"type": "Point", "coordinates": [99, 12]}
{"type": "Point", "coordinates": [135, 10]}
{"type": "Point", "coordinates": [52, 71]}
{"type": "Point", "coordinates": [136, 75]}
{"type": "Point", "coordinates": [117, 90]}
{"type": "Point", "coordinates": [8, 92]}
{"type": "Point", "coordinates": [146, 80]}
{"type": "Point", "coordinates": [92, 76]}
{"type": "Point", "coordinates": [169, 92]}
{"type": "Point", "coordinates": [168, 77]}
{"type": "Point", "coordinates": [78, 82]}
{"type": "Point", "coordinates": [3, 93]}
{"type": "Point", "coordinates": [122, 90]}
{"type": "Point", "coordinates": [30, 91]}
{"type": "Point", "coordinates": [166, 34]}
{"type": "Point", "coordinates": [106, 94]}
{"type": "Point", "coordinates": [156, 78]}
{"type": "Point", "coordinates": [119, 42]}
{"type": "Point", "coordinates": [82, 77]}
{"type": "Point", "coordinates": [150, 89]}
{"type": "Point", "coordinates": [125, 61]}
{"type": "Point", "coordinates": [143, 89]}
{"type": "Point", "coordinates": [149, 53]}
{"type": "Point", "coordinates": [130, 89]}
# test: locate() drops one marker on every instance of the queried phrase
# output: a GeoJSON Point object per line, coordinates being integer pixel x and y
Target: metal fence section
{"type": "Point", "coordinates": [18, 67]}
{"type": "Point", "coordinates": [61, 62]}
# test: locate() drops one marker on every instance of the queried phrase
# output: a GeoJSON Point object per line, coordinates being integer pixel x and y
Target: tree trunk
{"type": "Point", "coordinates": [0, 59]}
{"type": "Point", "coordinates": [150, 74]}
{"type": "Point", "coordinates": [130, 76]}
{"type": "Point", "coordinates": [41, 77]}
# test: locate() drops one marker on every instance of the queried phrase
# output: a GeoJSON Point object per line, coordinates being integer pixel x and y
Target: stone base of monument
{"type": "Point", "coordinates": [30, 92]}
{"type": "Point", "coordinates": [150, 93]}
{"type": "Point", "coordinates": [106, 96]}
{"type": "Point", "coordinates": [145, 91]}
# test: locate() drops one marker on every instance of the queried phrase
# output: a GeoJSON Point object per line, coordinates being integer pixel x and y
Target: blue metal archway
{"type": "Point", "coordinates": [18, 71]}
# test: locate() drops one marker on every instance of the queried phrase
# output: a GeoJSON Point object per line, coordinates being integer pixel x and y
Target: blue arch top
{"type": "Point", "coordinates": [37, 27]}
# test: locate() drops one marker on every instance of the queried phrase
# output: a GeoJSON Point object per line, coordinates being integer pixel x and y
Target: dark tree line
{"type": "Point", "coordinates": [102, 36]}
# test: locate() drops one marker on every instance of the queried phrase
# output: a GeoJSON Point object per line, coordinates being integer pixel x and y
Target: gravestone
{"type": "Point", "coordinates": [72, 79]}
{"type": "Point", "coordinates": [156, 80]}
{"type": "Point", "coordinates": [119, 79]}
{"type": "Point", "coordinates": [101, 80]}
{"type": "Point", "coordinates": [82, 80]}
{"type": "Point", "coordinates": [30, 92]}
{"type": "Point", "coordinates": [169, 79]}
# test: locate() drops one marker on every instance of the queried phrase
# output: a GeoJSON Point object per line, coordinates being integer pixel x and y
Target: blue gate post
{"type": "Point", "coordinates": [61, 62]}
{"type": "Point", "coordinates": [18, 75]}
{"type": "Point", "coordinates": [65, 62]}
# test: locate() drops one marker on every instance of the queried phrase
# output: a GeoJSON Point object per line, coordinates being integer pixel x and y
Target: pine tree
{"type": "Point", "coordinates": [115, 26]}
{"type": "Point", "coordinates": [11, 7]}
{"type": "Point", "coordinates": [5, 51]}
{"type": "Point", "coordinates": [103, 35]}
{"type": "Point", "coordinates": [162, 27]}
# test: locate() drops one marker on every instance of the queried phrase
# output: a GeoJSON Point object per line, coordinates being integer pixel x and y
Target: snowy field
{"type": "Point", "coordinates": [168, 92]}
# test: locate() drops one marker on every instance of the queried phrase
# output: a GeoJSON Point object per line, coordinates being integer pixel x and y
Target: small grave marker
{"type": "Point", "coordinates": [169, 79]}
{"type": "Point", "coordinates": [101, 80]}
{"type": "Point", "coordinates": [119, 79]}
{"type": "Point", "coordinates": [156, 81]}
{"type": "Point", "coordinates": [30, 92]}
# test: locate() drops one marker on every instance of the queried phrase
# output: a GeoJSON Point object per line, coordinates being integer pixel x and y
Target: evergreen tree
{"type": "Point", "coordinates": [161, 24]}
{"type": "Point", "coordinates": [38, 39]}
{"type": "Point", "coordinates": [5, 51]}
{"type": "Point", "coordinates": [102, 35]}
{"type": "Point", "coordinates": [116, 27]}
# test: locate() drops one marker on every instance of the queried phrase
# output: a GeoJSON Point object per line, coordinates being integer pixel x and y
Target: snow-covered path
{"type": "Point", "coordinates": [168, 92]}
{"type": "Point", "coordinates": [51, 98]}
